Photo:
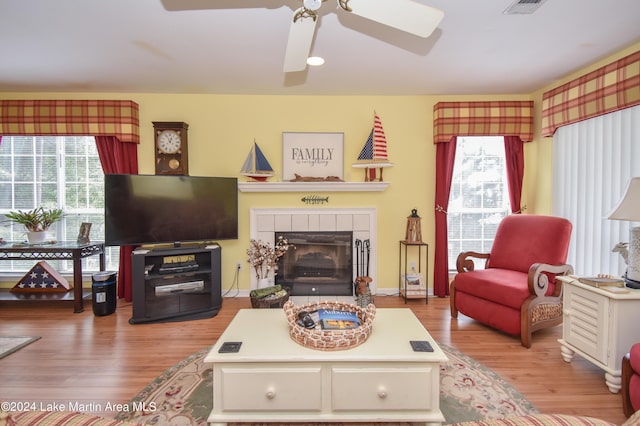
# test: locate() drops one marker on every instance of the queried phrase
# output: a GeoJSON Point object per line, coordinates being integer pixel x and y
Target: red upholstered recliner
{"type": "Point", "coordinates": [631, 381]}
{"type": "Point", "coordinates": [516, 292]}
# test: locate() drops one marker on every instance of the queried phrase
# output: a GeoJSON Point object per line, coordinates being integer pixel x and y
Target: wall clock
{"type": "Point", "coordinates": [171, 152]}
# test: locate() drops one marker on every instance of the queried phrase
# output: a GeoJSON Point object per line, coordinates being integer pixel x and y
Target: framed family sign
{"type": "Point", "coordinates": [317, 155]}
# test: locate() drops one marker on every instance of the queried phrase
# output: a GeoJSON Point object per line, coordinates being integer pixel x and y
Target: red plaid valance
{"type": "Point", "coordinates": [611, 88]}
{"type": "Point", "coordinates": [498, 118]}
{"type": "Point", "coordinates": [70, 117]}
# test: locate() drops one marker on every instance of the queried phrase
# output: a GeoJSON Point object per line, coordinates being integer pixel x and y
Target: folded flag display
{"type": "Point", "coordinates": [338, 320]}
{"type": "Point", "coordinates": [42, 278]}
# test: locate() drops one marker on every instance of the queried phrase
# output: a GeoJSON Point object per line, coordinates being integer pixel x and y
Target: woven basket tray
{"type": "Point", "coordinates": [330, 340]}
{"type": "Point", "coordinates": [267, 302]}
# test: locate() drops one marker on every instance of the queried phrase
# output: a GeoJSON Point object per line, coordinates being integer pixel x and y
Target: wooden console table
{"type": "Point", "coordinates": [62, 250]}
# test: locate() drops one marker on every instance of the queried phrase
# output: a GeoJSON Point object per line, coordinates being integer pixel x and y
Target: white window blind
{"type": "Point", "coordinates": [593, 162]}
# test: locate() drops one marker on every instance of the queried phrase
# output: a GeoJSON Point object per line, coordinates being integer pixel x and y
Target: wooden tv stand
{"type": "Point", "coordinates": [176, 283]}
{"type": "Point", "coordinates": [274, 379]}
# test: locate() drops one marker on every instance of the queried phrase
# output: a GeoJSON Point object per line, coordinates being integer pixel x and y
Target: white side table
{"type": "Point", "coordinates": [600, 326]}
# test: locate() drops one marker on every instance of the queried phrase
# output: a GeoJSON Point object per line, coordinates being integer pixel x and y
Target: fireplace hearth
{"type": "Point", "coordinates": [321, 264]}
{"type": "Point", "coordinates": [264, 223]}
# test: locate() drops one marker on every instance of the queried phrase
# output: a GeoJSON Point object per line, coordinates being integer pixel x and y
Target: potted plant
{"type": "Point", "coordinates": [36, 221]}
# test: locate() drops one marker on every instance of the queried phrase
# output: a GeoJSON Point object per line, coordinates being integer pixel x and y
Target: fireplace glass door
{"type": "Point", "coordinates": [321, 264]}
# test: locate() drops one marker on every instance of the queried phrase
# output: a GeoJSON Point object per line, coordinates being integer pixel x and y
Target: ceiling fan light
{"type": "Point", "coordinates": [312, 4]}
{"type": "Point", "coordinates": [315, 61]}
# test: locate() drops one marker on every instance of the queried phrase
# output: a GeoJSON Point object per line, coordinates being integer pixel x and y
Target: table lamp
{"type": "Point", "coordinates": [628, 208]}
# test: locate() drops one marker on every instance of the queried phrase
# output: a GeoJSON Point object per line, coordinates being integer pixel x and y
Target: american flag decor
{"type": "Point", "coordinates": [376, 146]}
{"type": "Point", "coordinates": [42, 277]}
{"type": "Point", "coordinates": [373, 157]}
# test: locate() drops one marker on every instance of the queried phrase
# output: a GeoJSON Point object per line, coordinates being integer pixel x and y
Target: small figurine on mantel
{"type": "Point", "coordinates": [300, 178]}
{"type": "Point", "coordinates": [413, 234]}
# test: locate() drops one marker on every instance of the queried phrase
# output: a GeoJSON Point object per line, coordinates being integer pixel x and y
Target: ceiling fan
{"type": "Point", "coordinates": [405, 15]}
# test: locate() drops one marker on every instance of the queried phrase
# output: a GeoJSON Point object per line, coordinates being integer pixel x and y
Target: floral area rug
{"type": "Point", "coordinates": [182, 395]}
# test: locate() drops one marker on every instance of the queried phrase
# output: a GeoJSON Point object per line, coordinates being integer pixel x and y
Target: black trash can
{"type": "Point", "coordinates": [103, 293]}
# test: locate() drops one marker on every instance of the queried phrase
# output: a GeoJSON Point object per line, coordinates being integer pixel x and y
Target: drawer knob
{"type": "Point", "coordinates": [271, 393]}
{"type": "Point", "coordinates": [382, 393]}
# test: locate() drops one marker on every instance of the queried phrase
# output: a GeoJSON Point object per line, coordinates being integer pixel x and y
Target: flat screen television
{"type": "Point", "coordinates": [160, 209]}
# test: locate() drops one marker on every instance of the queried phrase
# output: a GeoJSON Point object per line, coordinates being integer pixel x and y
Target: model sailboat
{"type": "Point", "coordinates": [256, 166]}
{"type": "Point", "coordinates": [373, 157]}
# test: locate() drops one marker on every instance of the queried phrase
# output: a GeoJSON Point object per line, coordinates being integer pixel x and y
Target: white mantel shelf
{"type": "Point", "coordinates": [312, 186]}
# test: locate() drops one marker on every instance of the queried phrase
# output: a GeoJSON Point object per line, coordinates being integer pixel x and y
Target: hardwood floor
{"type": "Point", "coordinates": [100, 360]}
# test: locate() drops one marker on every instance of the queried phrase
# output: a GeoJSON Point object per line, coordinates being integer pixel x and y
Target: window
{"type": "Point", "coordinates": [593, 161]}
{"type": "Point", "coordinates": [479, 197]}
{"type": "Point", "coordinates": [53, 171]}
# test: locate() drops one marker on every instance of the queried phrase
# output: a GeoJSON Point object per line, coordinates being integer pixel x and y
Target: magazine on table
{"type": "Point", "coordinates": [602, 281]}
{"type": "Point", "coordinates": [331, 319]}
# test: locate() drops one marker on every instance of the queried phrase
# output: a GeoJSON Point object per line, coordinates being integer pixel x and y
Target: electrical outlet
{"type": "Point", "coordinates": [238, 265]}
{"type": "Point", "coordinates": [412, 265]}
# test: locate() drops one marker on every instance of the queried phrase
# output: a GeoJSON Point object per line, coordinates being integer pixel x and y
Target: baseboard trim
{"type": "Point", "coordinates": [379, 292]}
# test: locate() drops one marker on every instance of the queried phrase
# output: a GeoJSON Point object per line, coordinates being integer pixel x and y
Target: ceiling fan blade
{"type": "Point", "coordinates": [303, 27]}
{"type": "Point", "coordinates": [405, 15]}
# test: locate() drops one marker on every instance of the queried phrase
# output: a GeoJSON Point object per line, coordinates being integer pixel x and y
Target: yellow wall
{"type": "Point", "coordinates": [223, 127]}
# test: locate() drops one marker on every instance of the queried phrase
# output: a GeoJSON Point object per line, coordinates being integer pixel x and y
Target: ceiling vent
{"type": "Point", "coordinates": [523, 7]}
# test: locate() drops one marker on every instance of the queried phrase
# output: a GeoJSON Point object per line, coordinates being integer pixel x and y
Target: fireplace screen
{"type": "Point", "coordinates": [321, 264]}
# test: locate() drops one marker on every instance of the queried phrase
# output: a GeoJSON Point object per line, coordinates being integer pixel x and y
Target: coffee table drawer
{"type": "Point", "coordinates": [266, 389]}
{"type": "Point", "coordinates": [382, 388]}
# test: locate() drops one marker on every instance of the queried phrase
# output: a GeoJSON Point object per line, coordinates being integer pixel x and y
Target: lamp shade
{"type": "Point", "coordinates": [628, 207]}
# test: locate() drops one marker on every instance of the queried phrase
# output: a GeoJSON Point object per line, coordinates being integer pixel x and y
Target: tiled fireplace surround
{"type": "Point", "coordinates": [265, 222]}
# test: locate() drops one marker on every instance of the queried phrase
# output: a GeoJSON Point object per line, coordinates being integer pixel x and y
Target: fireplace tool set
{"type": "Point", "coordinates": [361, 283]}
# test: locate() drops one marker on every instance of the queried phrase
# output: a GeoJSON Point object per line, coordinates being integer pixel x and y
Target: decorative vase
{"type": "Point", "coordinates": [36, 237]}
{"type": "Point", "coordinates": [264, 282]}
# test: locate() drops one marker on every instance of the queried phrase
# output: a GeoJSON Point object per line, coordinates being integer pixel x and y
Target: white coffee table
{"type": "Point", "coordinates": [274, 379]}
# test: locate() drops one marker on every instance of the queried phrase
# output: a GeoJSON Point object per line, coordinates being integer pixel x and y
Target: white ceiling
{"type": "Point", "coordinates": [238, 46]}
